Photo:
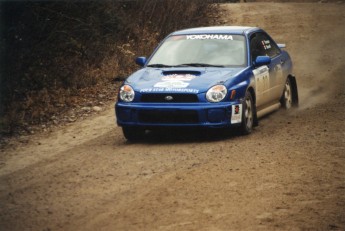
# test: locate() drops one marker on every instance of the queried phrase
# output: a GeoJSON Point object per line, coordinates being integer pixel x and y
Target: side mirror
{"type": "Point", "coordinates": [262, 60]}
{"type": "Point", "coordinates": [141, 61]}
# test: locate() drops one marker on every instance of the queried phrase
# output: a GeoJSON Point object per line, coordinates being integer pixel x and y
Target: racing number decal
{"type": "Point", "coordinates": [261, 75]}
{"type": "Point", "coordinates": [262, 83]}
{"type": "Point", "coordinates": [236, 114]}
{"type": "Point", "coordinates": [279, 73]}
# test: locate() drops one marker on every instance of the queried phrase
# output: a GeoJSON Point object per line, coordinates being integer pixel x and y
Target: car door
{"type": "Point", "coordinates": [268, 78]}
{"type": "Point", "coordinates": [276, 79]}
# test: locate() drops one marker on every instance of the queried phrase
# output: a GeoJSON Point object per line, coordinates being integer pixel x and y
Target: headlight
{"type": "Point", "coordinates": [216, 93]}
{"type": "Point", "coordinates": [126, 93]}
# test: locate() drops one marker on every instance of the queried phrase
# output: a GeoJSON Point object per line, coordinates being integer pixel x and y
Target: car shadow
{"type": "Point", "coordinates": [186, 135]}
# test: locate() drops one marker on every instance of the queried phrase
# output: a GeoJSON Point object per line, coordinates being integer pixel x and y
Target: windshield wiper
{"type": "Point", "coordinates": [159, 65]}
{"type": "Point", "coordinates": [199, 65]}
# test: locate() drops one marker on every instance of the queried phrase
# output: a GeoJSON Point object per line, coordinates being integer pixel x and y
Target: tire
{"type": "Point", "coordinates": [248, 115]}
{"type": "Point", "coordinates": [133, 133]}
{"type": "Point", "coordinates": [287, 98]}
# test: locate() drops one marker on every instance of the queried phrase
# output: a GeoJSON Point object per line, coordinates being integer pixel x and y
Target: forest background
{"type": "Point", "coordinates": [56, 55]}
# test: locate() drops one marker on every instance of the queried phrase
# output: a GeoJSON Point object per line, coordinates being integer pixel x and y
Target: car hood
{"type": "Point", "coordinates": [174, 80]}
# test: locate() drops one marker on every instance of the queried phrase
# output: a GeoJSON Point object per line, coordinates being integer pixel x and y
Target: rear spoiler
{"type": "Point", "coordinates": [281, 45]}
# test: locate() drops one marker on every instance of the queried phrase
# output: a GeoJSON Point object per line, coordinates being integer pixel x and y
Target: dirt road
{"type": "Point", "coordinates": [288, 175]}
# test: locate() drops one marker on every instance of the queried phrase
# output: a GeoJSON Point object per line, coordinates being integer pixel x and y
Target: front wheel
{"type": "Point", "coordinates": [133, 133]}
{"type": "Point", "coordinates": [247, 115]}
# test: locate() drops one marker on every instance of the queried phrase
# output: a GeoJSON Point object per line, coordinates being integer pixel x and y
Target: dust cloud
{"type": "Point", "coordinates": [320, 65]}
{"type": "Point", "coordinates": [327, 86]}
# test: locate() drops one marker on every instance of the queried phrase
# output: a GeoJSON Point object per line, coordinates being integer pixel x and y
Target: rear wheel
{"type": "Point", "coordinates": [133, 133]}
{"type": "Point", "coordinates": [247, 115]}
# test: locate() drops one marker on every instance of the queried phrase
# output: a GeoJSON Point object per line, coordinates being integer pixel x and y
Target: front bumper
{"type": "Point", "coordinates": [175, 114]}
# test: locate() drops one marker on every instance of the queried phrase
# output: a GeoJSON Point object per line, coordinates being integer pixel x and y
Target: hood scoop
{"type": "Point", "coordinates": [181, 72]}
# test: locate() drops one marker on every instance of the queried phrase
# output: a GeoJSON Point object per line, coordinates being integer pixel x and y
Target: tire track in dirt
{"type": "Point", "coordinates": [288, 174]}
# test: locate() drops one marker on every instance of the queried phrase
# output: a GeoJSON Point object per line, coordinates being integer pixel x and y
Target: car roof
{"type": "Point", "coordinates": [218, 30]}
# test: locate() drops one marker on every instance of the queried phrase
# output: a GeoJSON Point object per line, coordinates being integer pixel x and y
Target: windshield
{"type": "Point", "coordinates": [201, 50]}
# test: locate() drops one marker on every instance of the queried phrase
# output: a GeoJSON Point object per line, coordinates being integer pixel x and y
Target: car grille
{"type": "Point", "coordinates": [169, 98]}
{"type": "Point", "coordinates": [168, 117]}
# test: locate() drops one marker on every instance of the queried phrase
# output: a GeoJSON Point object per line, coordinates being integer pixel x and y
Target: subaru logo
{"type": "Point", "coordinates": [168, 98]}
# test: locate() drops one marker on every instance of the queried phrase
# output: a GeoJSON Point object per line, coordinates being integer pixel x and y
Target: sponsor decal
{"type": "Point", "coordinates": [171, 84]}
{"type": "Point", "coordinates": [177, 90]}
{"type": "Point", "coordinates": [236, 114]}
{"type": "Point", "coordinates": [177, 37]}
{"type": "Point", "coordinates": [210, 36]}
{"type": "Point", "coordinates": [179, 77]}
{"type": "Point", "coordinates": [260, 71]}
{"type": "Point", "coordinates": [266, 44]}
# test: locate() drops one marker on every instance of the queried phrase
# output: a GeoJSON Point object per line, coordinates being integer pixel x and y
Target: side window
{"type": "Point", "coordinates": [262, 45]}
{"type": "Point", "coordinates": [256, 48]}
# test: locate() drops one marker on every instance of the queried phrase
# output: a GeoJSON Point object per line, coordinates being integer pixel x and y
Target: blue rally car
{"type": "Point", "coordinates": [215, 77]}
